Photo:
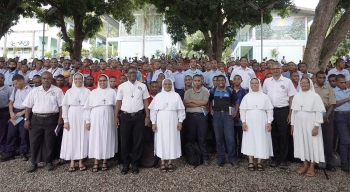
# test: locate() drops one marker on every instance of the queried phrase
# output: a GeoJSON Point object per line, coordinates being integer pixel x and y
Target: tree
{"type": "Point", "coordinates": [320, 47]}
{"type": "Point", "coordinates": [217, 20]}
{"type": "Point", "coordinates": [12, 10]}
{"type": "Point", "coordinates": [86, 16]}
{"type": "Point", "coordinates": [146, 14]}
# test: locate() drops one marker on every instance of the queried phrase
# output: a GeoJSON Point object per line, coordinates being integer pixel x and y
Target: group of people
{"type": "Point", "coordinates": [109, 108]}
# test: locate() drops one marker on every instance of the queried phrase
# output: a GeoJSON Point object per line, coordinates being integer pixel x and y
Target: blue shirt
{"type": "Point", "coordinates": [209, 78]}
{"type": "Point", "coordinates": [192, 73]}
{"type": "Point", "coordinates": [239, 94]}
{"type": "Point", "coordinates": [8, 76]}
{"type": "Point", "coordinates": [340, 95]}
{"type": "Point", "coordinates": [5, 94]}
{"type": "Point", "coordinates": [179, 80]}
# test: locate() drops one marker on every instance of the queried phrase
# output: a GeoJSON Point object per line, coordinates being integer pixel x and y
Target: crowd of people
{"type": "Point", "coordinates": [73, 110]}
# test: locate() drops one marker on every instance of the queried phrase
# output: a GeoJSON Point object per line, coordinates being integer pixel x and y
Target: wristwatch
{"type": "Point", "coordinates": [148, 117]}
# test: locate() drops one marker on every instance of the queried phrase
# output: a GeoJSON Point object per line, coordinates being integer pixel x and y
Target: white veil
{"type": "Point", "coordinates": [172, 85]}
{"type": "Point", "coordinates": [260, 88]}
{"type": "Point", "coordinates": [308, 100]}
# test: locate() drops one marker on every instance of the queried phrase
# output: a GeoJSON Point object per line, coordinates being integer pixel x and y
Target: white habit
{"type": "Point", "coordinates": [75, 141]}
{"type": "Point", "coordinates": [257, 111]}
{"type": "Point", "coordinates": [103, 140]}
{"type": "Point", "coordinates": [307, 109]}
{"type": "Point", "coordinates": [166, 110]}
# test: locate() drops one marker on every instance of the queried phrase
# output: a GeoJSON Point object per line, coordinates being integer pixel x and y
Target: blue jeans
{"type": "Point", "coordinates": [343, 124]}
{"type": "Point", "coordinates": [224, 131]}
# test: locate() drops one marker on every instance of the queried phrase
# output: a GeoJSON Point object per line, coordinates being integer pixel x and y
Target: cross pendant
{"type": "Point", "coordinates": [104, 101]}
{"type": "Point", "coordinates": [79, 102]}
{"type": "Point", "coordinates": [301, 108]}
{"type": "Point", "coordinates": [132, 96]}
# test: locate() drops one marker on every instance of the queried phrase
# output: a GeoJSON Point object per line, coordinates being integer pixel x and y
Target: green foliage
{"type": "Point", "coordinates": [226, 54]}
{"type": "Point", "coordinates": [14, 50]}
{"type": "Point", "coordinates": [11, 10]}
{"type": "Point", "coordinates": [86, 17]}
{"type": "Point", "coordinates": [274, 53]}
{"type": "Point", "coordinates": [5, 52]}
{"type": "Point", "coordinates": [48, 54]}
{"type": "Point", "coordinates": [220, 19]}
{"type": "Point", "coordinates": [157, 53]}
{"type": "Point", "coordinates": [343, 49]}
{"type": "Point", "coordinates": [101, 50]}
{"type": "Point", "coordinates": [85, 53]}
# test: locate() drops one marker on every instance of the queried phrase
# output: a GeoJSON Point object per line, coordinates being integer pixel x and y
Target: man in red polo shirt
{"type": "Point", "coordinates": [86, 70]}
{"type": "Point", "coordinates": [60, 83]}
{"type": "Point", "coordinates": [115, 71]}
{"type": "Point", "coordinates": [144, 72]}
{"type": "Point", "coordinates": [103, 66]}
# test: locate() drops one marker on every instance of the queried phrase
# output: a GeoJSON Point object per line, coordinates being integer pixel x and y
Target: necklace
{"type": "Point", "coordinates": [132, 90]}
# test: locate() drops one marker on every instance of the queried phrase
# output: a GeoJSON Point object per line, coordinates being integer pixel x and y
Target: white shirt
{"type": "Point", "coordinates": [35, 72]}
{"type": "Point", "coordinates": [42, 101]}
{"type": "Point", "coordinates": [335, 71]}
{"type": "Point", "coordinates": [179, 79]}
{"type": "Point", "coordinates": [55, 72]}
{"type": "Point", "coordinates": [231, 68]}
{"type": "Point", "coordinates": [132, 96]}
{"type": "Point", "coordinates": [246, 75]}
{"type": "Point", "coordinates": [21, 94]}
{"type": "Point", "coordinates": [279, 91]}
{"type": "Point", "coordinates": [26, 76]}
{"type": "Point", "coordinates": [167, 73]}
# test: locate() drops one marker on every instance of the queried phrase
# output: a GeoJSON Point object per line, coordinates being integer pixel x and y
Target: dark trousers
{"type": "Point", "coordinates": [238, 136]}
{"type": "Point", "coordinates": [327, 133]}
{"type": "Point", "coordinates": [343, 123]}
{"type": "Point", "coordinates": [280, 134]}
{"type": "Point", "coordinates": [197, 127]}
{"type": "Point", "coordinates": [42, 138]}
{"type": "Point", "coordinates": [12, 134]}
{"type": "Point", "coordinates": [335, 136]}
{"type": "Point", "coordinates": [224, 132]}
{"type": "Point", "coordinates": [132, 126]}
{"type": "Point", "coordinates": [4, 117]}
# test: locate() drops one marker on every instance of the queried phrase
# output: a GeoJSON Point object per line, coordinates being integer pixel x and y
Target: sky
{"type": "Point", "coordinates": [306, 3]}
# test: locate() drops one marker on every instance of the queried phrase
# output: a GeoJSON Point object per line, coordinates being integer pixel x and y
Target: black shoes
{"type": "Point", "coordinates": [330, 168]}
{"type": "Point", "coordinates": [283, 165]}
{"type": "Point", "coordinates": [220, 164]}
{"type": "Point", "coordinates": [135, 170]}
{"type": "Point", "coordinates": [49, 167]}
{"type": "Point", "coordinates": [234, 164]}
{"type": "Point", "coordinates": [125, 170]}
{"type": "Point", "coordinates": [7, 158]}
{"type": "Point", "coordinates": [32, 168]}
{"type": "Point", "coordinates": [274, 163]}
{"type": "Point", "coordinates": [345, 167]}
{"type": "Point", "coordinates": [24, 157]}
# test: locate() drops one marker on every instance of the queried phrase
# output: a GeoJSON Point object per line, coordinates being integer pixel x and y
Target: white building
{"type": "Point", "coordinates": [156, 36]}
{"type": "Point", "coordinates": [286, 36]}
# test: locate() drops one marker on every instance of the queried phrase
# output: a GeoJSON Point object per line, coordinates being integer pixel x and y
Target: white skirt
{"type": "Point", "coordinates": [75, 141]}
{"type": "Point", "coordinates": [167, 143]}
{"type": "Point", "coordinates": [103, 137]}
{"type": "Point", "coordinates": [256, 141]}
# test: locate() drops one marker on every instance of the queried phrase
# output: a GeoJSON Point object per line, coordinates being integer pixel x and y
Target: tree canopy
{"type": "Point", "coordinates": [12, 10]}
{"type": "Point", "coordinates": [86, 18]}
{"type": "Point", "coordinates": [218, 20]}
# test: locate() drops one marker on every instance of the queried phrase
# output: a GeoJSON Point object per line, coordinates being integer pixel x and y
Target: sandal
{"type": "Point", "coordinates": [170, 168]}
{"type": "Point", "coordinates": [82, 168]}
{"type": "Point", "coordinates": [71, 169]}
{"type": "Point", "coordinates": [260, 167]}
{"type": "Point", "coordinates": [104, 168]}
{"type": "Point", "coordinates": [251, 168]}
{"type": "Point", "coordinates": [163, 168]}
{"type": "Point", "coordinates": [95, 169]}
{"type": "Point", "coordinates": [310, 173]}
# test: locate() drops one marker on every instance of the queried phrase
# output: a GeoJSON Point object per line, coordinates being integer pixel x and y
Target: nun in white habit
{"type": "Point", "coordinates": [75, 139]}
{"type": "Point", "coordinates": [256, 114]}
{"type": "Point", "coordinates": [103, 143]}
{"type": "Point", "coordinates": [167, 114]}
{"type": "Point", "coordinates": [307, 117]}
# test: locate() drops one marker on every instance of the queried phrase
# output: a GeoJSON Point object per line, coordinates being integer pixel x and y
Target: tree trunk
{"type": "Point", "coordinates": [323, 16]}
{"type": "Point", "coordinates": [79, 37]}
{"type": "Point", "coordinates": [4, 27]}
{"type": "Point", "coordinates": [335, 37]}
{"type": "Point", "coordinates": [208, 40]}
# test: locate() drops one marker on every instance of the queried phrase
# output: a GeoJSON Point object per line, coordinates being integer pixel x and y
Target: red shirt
{"type": "Point", "coordinates": [97, 74]}
{"type": "Point", "coordinates": [150, 98]}
{"type": "Point", "coordinates": [64, 89]}
{"type": "Point", "coordinates": [115, 73]}
{"type": "Point", "coordinates": [91, 88]}
{"type": "Point", "coordinates": [260, 75]}
{"type": "Point", "coordinates": [85, 71]}
{"type": "Point", "coordinates": [144, 76]}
